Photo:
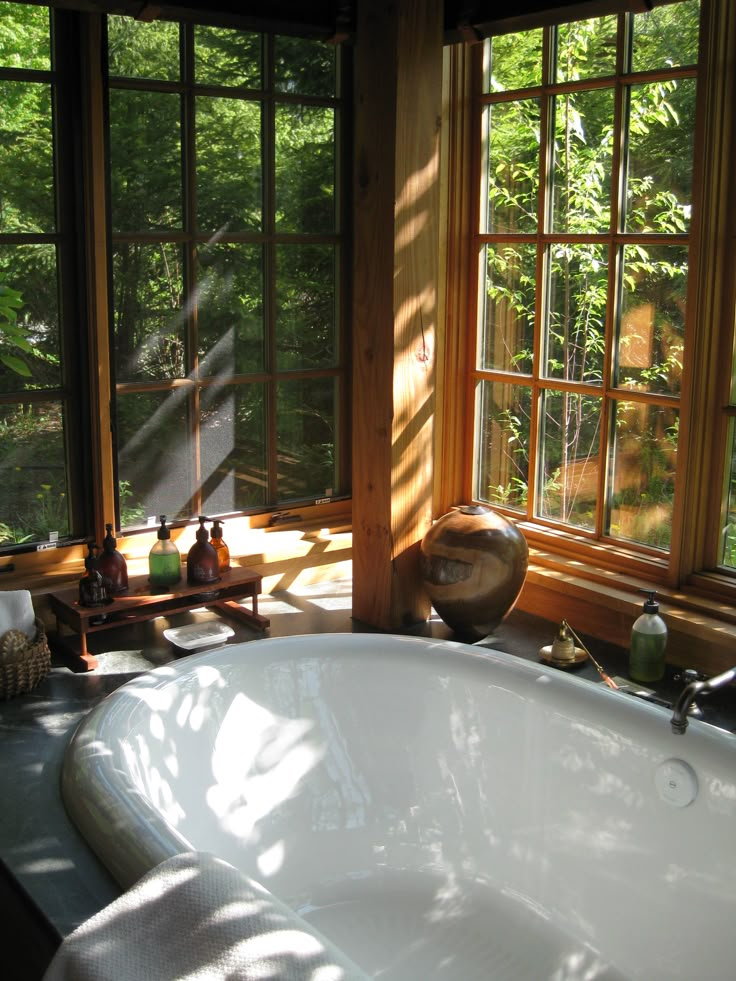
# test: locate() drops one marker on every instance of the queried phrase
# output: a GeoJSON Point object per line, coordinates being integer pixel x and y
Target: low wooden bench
{"type": "Point", "coordinates": [140, 603]}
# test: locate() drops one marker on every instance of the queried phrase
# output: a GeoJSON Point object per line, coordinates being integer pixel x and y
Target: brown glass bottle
{"type": "Point", "coordinates": [223, 552]}
{"type": "Point", "coordinates": [202, 562]}
{"type": "Point", "coordinates": [112, 565]}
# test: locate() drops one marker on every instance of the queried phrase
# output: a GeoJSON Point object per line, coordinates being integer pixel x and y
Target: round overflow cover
{"type": "Point", "coordinates": [676, 782]}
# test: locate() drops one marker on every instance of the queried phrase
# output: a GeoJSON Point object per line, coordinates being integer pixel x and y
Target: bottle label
{"type": "Point", "coordinates": [647, 659]}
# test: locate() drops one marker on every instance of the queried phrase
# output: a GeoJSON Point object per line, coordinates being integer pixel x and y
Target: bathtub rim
{"type": "Point", "coordinates": [130, 836]}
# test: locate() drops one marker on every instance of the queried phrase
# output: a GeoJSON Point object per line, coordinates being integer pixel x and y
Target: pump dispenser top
{"type": "Point", "coordinates": [164, 561]}
{"type": "Point", "coordinates": [648, 642]}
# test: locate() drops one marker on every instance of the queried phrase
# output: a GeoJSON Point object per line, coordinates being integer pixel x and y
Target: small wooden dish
{"type": "Point", "coordinates": [545, 655]}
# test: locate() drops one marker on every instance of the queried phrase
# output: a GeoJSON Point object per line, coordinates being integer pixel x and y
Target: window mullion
{"type": "Point", "coordinates": [189, 222]}
{"type": "Point", "coordinates": [269, 229]}
{"type": "Point", "coordinates": [544, 218]}
{"type": "Point", "coordinates": [618, 191]}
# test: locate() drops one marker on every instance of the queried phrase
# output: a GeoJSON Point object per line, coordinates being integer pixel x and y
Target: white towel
{"type": "Point", "coordinates": [16, 612]}
{"type": "Point", "coordinates": [194, 916]}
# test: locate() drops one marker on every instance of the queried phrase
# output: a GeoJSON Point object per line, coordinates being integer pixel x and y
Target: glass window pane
{"type": "Point", "coordinates": [155, 454]}
{"type": "Point", "coordinates": [586, 49]}
{"type": "Point", "coordinates": [583, 151]}
{"type": "Point", "coordinates": [29, 346]}
{"type": "Point", "coordinates": [305, 307]}
{"type": "Point", "coordinates": [576, 312]}
{"type": "Point", "coordinates": [233, 452]}
{"type": "Point", "coordinates": [230, 309]}
{"type": "Point", "coordinates": [513, 61]}
{"type": "Point", "coordinates": [643, 462]}
{"type": "Point", "coordinates": [26, 158]}
{"type": "Point", "coordinates": [24, 37]}
{"type": "Point", "coordinates": [305, 169]}
{"type": "Point", "coordinates": [652, 330]}
{"type": "Point", "coordinates": [145, 160]}
{"type": "Point", "coordinates": [569, 447]}
{"type": "Point", "coordinates": [227, 57]}
{"type": "Point", "coordinates": [138, 49]}
{"type": "Point", "coordinates": [35, 500]}
{"type": "Point", "coordinates": [727, 555]}
{"type": "Point", "coordinates": [502, 444]}
{"type": "Point", "coordinates": [149, 321]}
{"type": "Point", "coordinates": [229, 181]}
{"type": "Point", "coordinates": [666, 36]}
{"type": "Point", "coordinates": [508, 302]}
{"type": "Point", "coordinates": [305, 433]}
{"type": "Point", "coordinates": [660, 156]}
{"type": "Point", "coordinates": [513, 166]}
{"type": "Point", "coordinates": [302, 67]}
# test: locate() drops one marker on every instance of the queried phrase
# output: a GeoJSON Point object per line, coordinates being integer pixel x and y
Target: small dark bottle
{"type": "Point", "coordinates": [92, 589]}
{"type": "Point", "coordinates": [202, 563]}
{"type": "Point", "coordinates": [112, 565]}
{"type": "Point", "coordinates": [223, 552]}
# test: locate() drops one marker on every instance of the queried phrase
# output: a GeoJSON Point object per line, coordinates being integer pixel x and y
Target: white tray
{"type": "Point", "coordinates": [199, 634]}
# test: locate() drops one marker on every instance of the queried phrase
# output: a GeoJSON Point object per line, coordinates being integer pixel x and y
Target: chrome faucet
{"type": "Point", "coordinates": [690, 693]}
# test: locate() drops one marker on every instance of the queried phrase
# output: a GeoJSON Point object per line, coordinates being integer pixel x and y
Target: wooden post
{"type": "Point", "coordinates": [398, 93]}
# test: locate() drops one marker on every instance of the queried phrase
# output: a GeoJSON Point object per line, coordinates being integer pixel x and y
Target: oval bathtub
{"type": "Point", "coordinates": [435, 809]}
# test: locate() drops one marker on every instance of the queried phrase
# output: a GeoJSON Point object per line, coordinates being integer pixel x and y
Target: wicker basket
{"type": "Point", "coordinates": [23, 665]}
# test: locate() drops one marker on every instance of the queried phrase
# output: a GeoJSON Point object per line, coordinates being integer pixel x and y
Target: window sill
{"type": "Point", "coordinates": [604, 603]}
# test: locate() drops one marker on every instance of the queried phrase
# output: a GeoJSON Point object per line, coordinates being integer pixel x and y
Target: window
{"type": "Point", "coordinates": [40, 358]}
{"type": "Point", "coordinates": [199, 212]}
{"type": "Point", "coordinates": [584, 244]}
{"type": "Point", "coordinates": [226, 269]}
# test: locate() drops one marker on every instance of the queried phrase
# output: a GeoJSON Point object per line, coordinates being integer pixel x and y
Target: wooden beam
{"type": "Point", "coordinates": [398, 92]}
{"type": "Point", "coordinates": [93, 166]}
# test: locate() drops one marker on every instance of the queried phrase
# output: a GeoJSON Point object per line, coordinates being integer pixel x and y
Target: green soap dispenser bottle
{"type": "Point", "coordinates": [164, 561]}
{"type": "Point", "coordinates": [648, 642]}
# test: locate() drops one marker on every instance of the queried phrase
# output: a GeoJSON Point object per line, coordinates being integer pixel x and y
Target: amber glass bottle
{"type": "Point", "coordinates": [223, 552]}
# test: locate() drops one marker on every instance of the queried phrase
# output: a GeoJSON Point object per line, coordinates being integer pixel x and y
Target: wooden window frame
{"type": "Point", "coordinates": [269, 239]}
{"type": "Point", "coordinates": [39, 569]}
{"type": "Point", "coordinates": [608, 574]}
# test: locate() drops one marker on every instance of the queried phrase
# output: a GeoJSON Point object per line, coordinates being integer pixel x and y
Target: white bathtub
{"type": "Point", "coordinates": [435, 809]}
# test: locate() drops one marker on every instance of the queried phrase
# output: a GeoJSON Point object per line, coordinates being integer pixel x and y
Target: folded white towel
{"type": "Point", "coordinates": [16, 612]}
{"type": "Point", "coordinates": [195, 916]}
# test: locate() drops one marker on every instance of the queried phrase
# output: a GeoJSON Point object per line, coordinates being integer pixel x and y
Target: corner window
{"type": "Point", "coordinates": [584, 251]}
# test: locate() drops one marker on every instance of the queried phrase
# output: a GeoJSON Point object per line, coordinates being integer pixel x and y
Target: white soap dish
{"type": "Point", "coordinates": [199, 634]}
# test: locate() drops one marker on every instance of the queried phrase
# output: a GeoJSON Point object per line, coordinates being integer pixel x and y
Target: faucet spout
{"type": "Point", "coordinates": [689, 694]}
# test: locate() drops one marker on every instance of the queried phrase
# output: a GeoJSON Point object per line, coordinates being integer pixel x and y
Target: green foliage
{"type": "Point", "coordinates": [45, 511]}
{"type": "Point", "coordinates": [131, 512]}
{"type": "Point", "coordinates": [10, 333]}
